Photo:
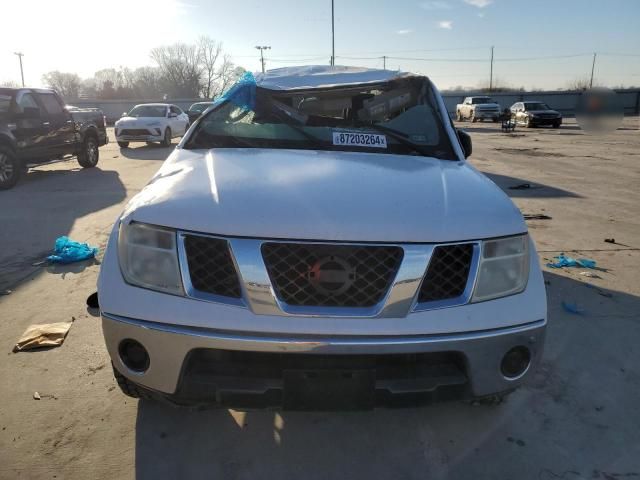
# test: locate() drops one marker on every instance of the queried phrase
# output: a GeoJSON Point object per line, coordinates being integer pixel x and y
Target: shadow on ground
{"type": "Point", "coordinates": [147, 152]}
{"type": "Point", "coordinates": [573, 414]}
{"type": "Point", "coordinates": [536, 190]}
{"type": "Point", "coordinates": [54, 200]}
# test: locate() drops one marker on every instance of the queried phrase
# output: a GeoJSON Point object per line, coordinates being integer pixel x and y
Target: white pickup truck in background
{"type": "Point", "coordinates": [478, 108]}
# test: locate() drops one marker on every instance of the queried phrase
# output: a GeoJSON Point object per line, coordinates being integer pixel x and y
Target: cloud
{"type": "Point", "coordinates": [481, 14]}
{"type": "Point", "coordinates": [446, 24]}
{"type": "Point", "coordinates": [405, 31]}
{"type": "Point", "coordinates": [436, 5]}
{"type": "Point", "coordinates": [479, 3]}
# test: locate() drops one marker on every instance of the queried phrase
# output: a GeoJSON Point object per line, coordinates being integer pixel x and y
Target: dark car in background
{"type": "Point", "coordinates": [37, 127]}
{"type": "Point", "coordinates": [197, 109]}
{"type": "Point", "coordinates": [533, 114]}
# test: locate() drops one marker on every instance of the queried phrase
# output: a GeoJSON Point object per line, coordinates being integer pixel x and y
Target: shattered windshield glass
{"type": "Point", "coordinates": [397, 116]}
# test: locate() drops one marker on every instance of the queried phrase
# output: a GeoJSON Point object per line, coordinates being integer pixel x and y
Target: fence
{"type": "Point", "coordinates": [564, 102]}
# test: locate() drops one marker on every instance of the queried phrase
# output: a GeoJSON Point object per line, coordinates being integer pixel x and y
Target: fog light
{"type": "Point", "coordinates": [134, 355]}
{"type": "Point", "coordinates": [515, 362]}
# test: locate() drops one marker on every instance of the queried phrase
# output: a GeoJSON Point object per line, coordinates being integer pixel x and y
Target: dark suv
{"type": "Point", "coordinates": [36, 127]}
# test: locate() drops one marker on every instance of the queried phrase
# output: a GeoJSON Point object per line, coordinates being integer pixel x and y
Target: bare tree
{"type": "Point", "coordinates": [180, 66]}
{"type": "Point", "coordinates": [66, 84]}
{"type": "Point", "coordinates": [578, 84]}
{"type": "Point", "coordinates": [9, 84]}
{"type": "Point", "coordinates": [230, 73]}
{"type": "Point", "coordinates": [210, 52]}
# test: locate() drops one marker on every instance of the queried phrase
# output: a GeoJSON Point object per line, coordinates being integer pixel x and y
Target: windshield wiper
{"type": "Point", "coordinates": [397, 135]}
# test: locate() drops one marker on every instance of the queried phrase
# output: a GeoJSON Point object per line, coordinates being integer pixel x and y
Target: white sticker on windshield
{"type": "Point", "coordinates": [357, 139]}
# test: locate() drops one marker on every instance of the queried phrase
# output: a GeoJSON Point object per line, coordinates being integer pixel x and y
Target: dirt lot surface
{"type": "Point", "coordinates": [577, 418]}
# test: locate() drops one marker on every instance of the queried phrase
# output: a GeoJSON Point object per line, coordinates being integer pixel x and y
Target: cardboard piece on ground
{"type": "Point", "coordinates": [43, 335]}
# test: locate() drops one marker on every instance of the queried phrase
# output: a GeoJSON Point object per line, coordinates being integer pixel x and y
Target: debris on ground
{"type": "Point", "coordinates": [610, 240]}
{"type": "Point", "coordinates": [523, 186]}
{"type": "Point", "coordinates": [536, 216]}
{"type": "Point", "coordinates": [43, 335]}
{"type": "Point", "coordinates": [36, 396]}
{"type": "Point", "coordinates": [566, 261]}
{"type": "Point", "coordinates": [92, 300]}
{"type": "Point", "coordinates": [69, 251]}
{"type": "Point", "coordinates": [590, 275]}
{"type": "Point", "coordinates": [599, 291]}
{"type": "Point", "coordinates": [571, 308]}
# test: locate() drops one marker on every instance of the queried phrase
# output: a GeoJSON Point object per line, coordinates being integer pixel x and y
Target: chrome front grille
{"type": "Point", "coordinates": [325, 275]}
{"type": "Point", "coordinates": [327, 279]}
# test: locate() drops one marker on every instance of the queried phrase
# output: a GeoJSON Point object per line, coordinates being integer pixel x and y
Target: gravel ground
{"type": "Point", "coordinates": [576, 419]}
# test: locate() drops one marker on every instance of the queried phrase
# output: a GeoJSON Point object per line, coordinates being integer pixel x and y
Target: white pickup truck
{"type": "Point", "coordinates": [317, 240]}
{"type": "Point", "coordinates": [478, 108]}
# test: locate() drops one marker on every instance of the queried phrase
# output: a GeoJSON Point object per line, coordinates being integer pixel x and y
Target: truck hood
{"type": "Point", "coordinates": [136, 121]}
{"type": "Point", "coordinates": [324, 195]}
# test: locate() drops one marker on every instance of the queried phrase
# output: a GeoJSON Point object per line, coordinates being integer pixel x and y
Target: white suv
{"type": "Point", "coordinates": [151, 122]}
{"type": "Point", "coordinates": [318, 241]}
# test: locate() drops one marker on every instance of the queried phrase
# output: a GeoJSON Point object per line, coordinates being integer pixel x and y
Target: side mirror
{"type": "Point", "coordinates": [30, 112]}
{"type": "Point", "coordinates": [173, 115]}
{"type": "Point", "coordinates": [124, 114]}
{"type": "Point", "coordinates": [465, 142]}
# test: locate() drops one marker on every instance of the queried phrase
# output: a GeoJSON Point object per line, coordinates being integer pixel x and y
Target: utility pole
{"type": "Point", "coordinates": [384, 62]}
{"type": "Point", "coordinates": [20, 55]}
{"type": "Point", "coordinates": [262, 49]}
{"type": "Point", "coordinates": [333, 37]}
{"type": "Point", "coordinates": [491, 72]}
{"type": "Point", "coordinates": [593, 66]}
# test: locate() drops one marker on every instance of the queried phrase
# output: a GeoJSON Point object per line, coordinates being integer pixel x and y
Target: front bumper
{"type": "Point", "coordinates": [470, 366]}
{"type": "Point", "coordinates": [493, 115]}
{"type": "Point", "coordinates": [545, 121]}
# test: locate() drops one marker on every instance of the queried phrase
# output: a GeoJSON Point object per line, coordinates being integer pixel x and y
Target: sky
{"type": "Point", "coordinates": [448, 40]}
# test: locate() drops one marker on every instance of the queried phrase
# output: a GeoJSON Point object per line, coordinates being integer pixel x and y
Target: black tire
{"type": "Point", "coordinates": [556, 125]}
{"type": "Point", "coordinates": [458, 116]}
{"type": "Point", "coordinates": [473, 117]}
{"type": "Point", "coordinates": [11, 168]}
{"type": "Point", "coordinates": [123, 144]}
{"type": "Point", "coordinates": [129, 388]}
{"type": "Point", "coordinates": [495, 119]}
{"type": "Point", "coordinates": [166, 141]}
{"type": "Point", "coordinates": [528, 123]}
{"type": "Point", "coordinates": [89, 153]}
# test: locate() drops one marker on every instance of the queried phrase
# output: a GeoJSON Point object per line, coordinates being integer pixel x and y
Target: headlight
{"type": "Point", "coordinates": [503, 269]}
{"type": "Point", "coordinates": [149, 257]}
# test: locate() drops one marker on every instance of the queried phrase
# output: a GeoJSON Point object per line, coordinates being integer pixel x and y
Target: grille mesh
{"type": "Point", "coordinates": [211, 267]}
{"type": "Point", "coordinates": [356, 276]}
{"type": "Point", "coordinates": [135, 131]}
{"type": "Point", "coordinates": [447, 273]}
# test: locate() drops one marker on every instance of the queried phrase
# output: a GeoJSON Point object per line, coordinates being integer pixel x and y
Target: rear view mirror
{"type": "Point", "coordinates": [465, 142]}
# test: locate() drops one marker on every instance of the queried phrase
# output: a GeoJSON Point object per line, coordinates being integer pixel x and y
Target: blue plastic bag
{"type": "Point", "coordinates": [566, 261]}
{"type": "Point", "coordinates": [242, 93]}
{"type": "Point", "coordinates": [68, 251]}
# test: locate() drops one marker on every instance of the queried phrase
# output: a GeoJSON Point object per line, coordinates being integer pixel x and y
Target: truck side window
{"type": "Point", "coordinates": [26, 100]}
{"type": "Point", "coordinates": [51, 104]}
{"type": "Point", "coordinates": [5, 102]}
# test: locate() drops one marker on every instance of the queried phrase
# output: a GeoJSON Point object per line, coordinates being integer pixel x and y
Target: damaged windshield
{"type": "Point", "coordinates": [398, 117]}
